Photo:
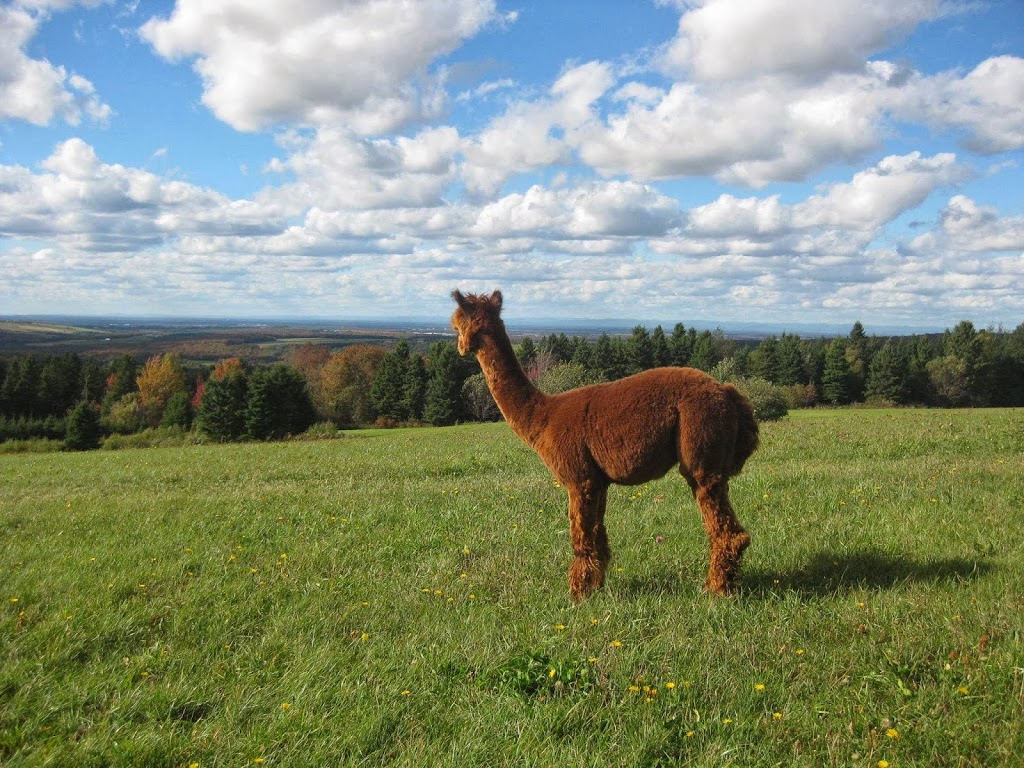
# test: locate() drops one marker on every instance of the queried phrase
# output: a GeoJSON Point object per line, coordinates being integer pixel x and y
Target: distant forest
{"type": "Point", "coordinates": [78, 401]}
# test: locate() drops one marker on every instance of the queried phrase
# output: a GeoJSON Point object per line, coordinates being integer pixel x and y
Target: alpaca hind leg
{"type": "Point", "coordinates": [589, 540]}
{"type": "Point", "coordinates": [728, 538]}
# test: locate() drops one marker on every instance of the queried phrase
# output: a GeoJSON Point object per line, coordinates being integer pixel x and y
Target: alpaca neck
{"type": "Point", "coordinates": [520, 402]}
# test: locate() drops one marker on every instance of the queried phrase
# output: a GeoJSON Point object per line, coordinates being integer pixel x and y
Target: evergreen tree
{"type": "Point", "coordinates": [640, 350]}
{"type": "Point", "coordinates": [83, 428]}
{"type": "Point", "coordinates": [582, 353]}
{"type": "Point", "coordinates": [526, 352]}
{"type": "Point", "coordinates": [388, 389]}
{"type": "Point", "coordinates": [443, 405]}
{"type": "Point", "coordinates": [764, 361]}
{"type": "Point", "coordinates": [223, 409]}
{"type": "Point", "coordinates": [178, 412]}
{"type": "Point", "coordinates": [21, 387]}
{"type": "Point", "coordinates": [790, 361]}
{"type": "Point", "coordinates": [704, 354]}
{"type": "Point", "coordinates": [660, 356]}
{"type": "Point", "coordinates": [888, 375]}
{"type": "Point", "coordinates": [609, 358]}
{"type": "Point", "coordinates": [277, 403]}
{"type": "Point", "coordinates": [679, 346]}
{"type": "Point", "coordinates": [60, 384]}
{"type": "Point", "coordinates": [414, 388]}
{"type": "Point", "coordinates": [835, 379]}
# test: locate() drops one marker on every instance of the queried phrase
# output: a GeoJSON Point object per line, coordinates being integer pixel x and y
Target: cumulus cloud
{"type": "Point", "coordinates": [36, 90]}
{"type": "Point", "coordinates": [80, 200]}
{"type": "Point", "coordinates": [313, 62]}
{"type": "Point", "coordinates": [336, 168]}
{"type": "Point", "coordinates": [739, 39]}
{"type": "Point", "coordinates": [535, 134]}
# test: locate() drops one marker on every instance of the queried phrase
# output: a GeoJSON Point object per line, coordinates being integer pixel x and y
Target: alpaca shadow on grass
{"type": "Point", "coordinates": [871, 569]}
{"type": "Point", "coordinates": [826, 574]}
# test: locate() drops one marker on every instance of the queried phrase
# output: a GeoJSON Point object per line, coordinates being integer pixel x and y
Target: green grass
{"type": "Point", "coordinates": [399, 598]}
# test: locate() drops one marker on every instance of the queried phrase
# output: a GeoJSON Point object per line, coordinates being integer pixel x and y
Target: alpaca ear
{"type": "Point", "coordinates": [459, 298]}
{"type": "Point", "coordinates": [496, 300]}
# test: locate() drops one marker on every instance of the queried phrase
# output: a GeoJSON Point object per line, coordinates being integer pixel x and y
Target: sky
{"type": "Point", "coordinates": [717, 161]}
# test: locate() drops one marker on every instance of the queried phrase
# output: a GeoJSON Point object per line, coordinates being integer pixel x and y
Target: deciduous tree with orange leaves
{"type": "Point", "coordinates": [161, 378]}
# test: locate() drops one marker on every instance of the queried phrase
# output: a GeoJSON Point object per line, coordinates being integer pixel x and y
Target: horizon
{"type": "Point", "coordinates": [781, 163]}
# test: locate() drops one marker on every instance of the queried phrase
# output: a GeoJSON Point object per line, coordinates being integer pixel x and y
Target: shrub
{"type": "Point", "coordinates": [769, 400]}
{"type": "Point", "coordinates": [322, 430]}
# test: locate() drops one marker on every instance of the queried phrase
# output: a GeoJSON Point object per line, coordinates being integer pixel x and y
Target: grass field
{"type": "Point", "coordinates": [399, 598]}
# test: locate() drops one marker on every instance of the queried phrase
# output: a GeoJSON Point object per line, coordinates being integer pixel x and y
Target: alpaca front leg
{"type": "Point", "coordinates": [589, 542]}
{"type": "Point", "coordinates": [728, 538]}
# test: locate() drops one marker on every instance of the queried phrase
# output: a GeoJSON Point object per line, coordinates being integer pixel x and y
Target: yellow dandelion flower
{"type": "Point", "coordinates": [594, 621]}
{"type": "Point", "coordinates": [616, 643]}
{"type": "Point", "coordinates": [258, 761]}
{"type": "Point", "coordinates": [592, 660]}
{"type": "Point", "coordinates": [759, 687]}
{"type": "Point", "coordinates": [689, 734]}
{"type": "Point", "coordinates": [892, 733]}
{"type": "Point", "coordinates": [669, 686]}
{"type": "Point", "coordinates": [883, 764]}
{"type": "Point", "coordinates": [472, 596]}
{"type": "Point", "coordinates": [553, 673]}
{"type": "Point", "coordinates": [726, 720]}
{"type": "Point", "coordinates": [799, 651]}
{"type": "Point", "coordinates": [559, 627]}
{"type": "Point", "coordinates": [964, 690]}
{"type": "Point", "coordinates": [777, 715]}
{"type": "Point", "coordinates": [364, 636]}
{"type": "Point", "coordinates": [193, 765]}
{"type": "Point", "coordinates": [14, 600]}
{"type": "Point", "coordinates": [634, 689]}
{"type": "Point", "coordinates": [285, 706]}
{"type": "Point", "coordinates": [407, 693]}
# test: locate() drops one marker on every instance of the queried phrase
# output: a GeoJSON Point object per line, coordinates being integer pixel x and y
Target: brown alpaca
{"type": "Point", "coordinates": [625, 432]}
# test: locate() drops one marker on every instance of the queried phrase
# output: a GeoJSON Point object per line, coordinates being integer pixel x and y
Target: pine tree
{"type": "Point", "coordinates": [835, 379]}
{"type": "Point", "coordinates": [659, 348]}
{"type": "Point", "coordinates": [388, 389]}
{"type": "Point", "coordinates": [679, 346]}
{"type": "Point", "coordinates": [764, 361]}
{"type": "Point", "coordinates": [888, 375]}
{"type": "Point", "coordinates": [790, 361]}
{"type": "Point", "coordinates": [414, 388]}
{"type": "Point", "coordinates": [277, 404]}
{"type": "Point", "coordinates": [640, 350]}
{"type": "Point", "coordinates": [704, 354]}
{"type": "Point", "coordinates": [178, 412]}
{"type": "Point", "coordinates": [223, 409]}
{"type": "Point", "coordinates": [443, 404]}
{"type": "Point", "coordinates": [83, 429]}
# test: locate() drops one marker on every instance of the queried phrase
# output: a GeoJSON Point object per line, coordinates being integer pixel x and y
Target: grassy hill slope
{"type": "Point", "coordinates": [399, 598]}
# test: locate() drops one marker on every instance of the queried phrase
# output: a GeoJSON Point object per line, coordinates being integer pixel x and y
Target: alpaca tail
{"type": "Point", "coordinates": [747, 435]}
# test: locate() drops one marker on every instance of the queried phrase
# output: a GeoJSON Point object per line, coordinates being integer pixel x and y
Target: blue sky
{"type": "Point", "coordinates": [774, 161]}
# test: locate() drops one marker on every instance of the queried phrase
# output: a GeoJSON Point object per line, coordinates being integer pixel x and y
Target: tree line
{"type": "Point", "coordinates": [82, 400]}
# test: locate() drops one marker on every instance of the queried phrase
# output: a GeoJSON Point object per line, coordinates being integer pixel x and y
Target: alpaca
{"type": "Point", "coordinates": [625, 432]}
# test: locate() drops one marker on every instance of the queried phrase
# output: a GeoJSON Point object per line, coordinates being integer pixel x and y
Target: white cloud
{"type": "Point", "coordinates": [338, 169]}
{"type": "Point", "coordinates": [36, 90]}
{"type": "Point", "coordinates": [880, 194]}
{"type": "Point", "coordinates": [988, 103]}
{"type": "Point", "coordinates": [531, 135]}
{"type": "Point", "coordinates": [314, 62]}
{"type": "Point", "coordinates": [740, 39]}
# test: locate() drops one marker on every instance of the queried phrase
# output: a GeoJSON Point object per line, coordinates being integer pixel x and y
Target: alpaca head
{"type": "Point", "coordinates": [476, 315]}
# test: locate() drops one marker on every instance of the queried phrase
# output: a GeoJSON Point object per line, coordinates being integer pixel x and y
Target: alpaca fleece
{"type": "Point", "coordinates": [625, 432]}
